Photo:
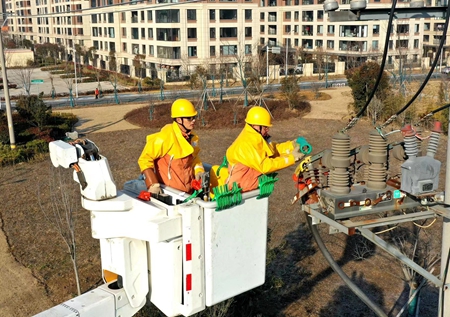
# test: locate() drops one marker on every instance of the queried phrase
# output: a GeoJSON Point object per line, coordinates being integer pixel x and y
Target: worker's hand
{"type": "Point", "coordinates": [298, 155]}
{"type": "Point", "coordinates": [296, 146]}
{"type": "Point", "coordinates": [198, 176]}
{"type": "Point", "coordinates": [154, 188]}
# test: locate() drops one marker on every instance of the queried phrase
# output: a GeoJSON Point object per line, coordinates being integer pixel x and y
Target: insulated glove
{"type": "Point", "coordinates": [298, 155]}
{"type": "Point", "coordinates": [154, 188]}
{"type": "Point", "coordinates": [296, 146]}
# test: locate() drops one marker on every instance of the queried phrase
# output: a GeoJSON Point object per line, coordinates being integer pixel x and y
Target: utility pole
{"type": "Point", "coordinates": [444, 292]}
{"type": "Point", "coordinates": [12, 138]}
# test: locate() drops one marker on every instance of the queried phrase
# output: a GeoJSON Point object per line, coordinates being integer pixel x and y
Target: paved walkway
{"type": "Point", "coordinates": [19, 76]}
{"type": "Point", "coordinates": [102, 119]}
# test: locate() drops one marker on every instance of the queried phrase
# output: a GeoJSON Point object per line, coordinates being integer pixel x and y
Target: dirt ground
{"type": "Point", "coordinates": [302, 283]}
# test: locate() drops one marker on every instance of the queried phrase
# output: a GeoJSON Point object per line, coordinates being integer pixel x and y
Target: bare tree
{"type": "Point", "coordinates": [113, 75]}
{"type": "Point", "coordinates": [24, 78]}
{"type": "Point", "coordinates": [416, 243]}
{"type": "Point", "coordinates": [61, 214]}
{"type": "Point", "coordinates": [138, 68]}
{"type": "Point", "coordinates": [375, 109]}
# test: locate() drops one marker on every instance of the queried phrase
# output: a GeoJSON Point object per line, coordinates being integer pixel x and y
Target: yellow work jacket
{"type": "Point", "coordinates": [251, 155]}
{"type": "Point", "coordinates": [174, 159]}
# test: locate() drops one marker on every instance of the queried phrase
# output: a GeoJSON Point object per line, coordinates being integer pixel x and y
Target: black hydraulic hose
{"type": "Point", "coordinates": [438, 54]}
{"type": "Point", "coordinates": [380, 74]}
{"type": "Point", "coordinates": [353, 287]}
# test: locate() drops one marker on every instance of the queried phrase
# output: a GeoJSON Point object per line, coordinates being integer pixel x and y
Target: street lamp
{"type": "Point", "coordinates": [75, 68]}
{"type": "Point", "coordinates": [12, 138]}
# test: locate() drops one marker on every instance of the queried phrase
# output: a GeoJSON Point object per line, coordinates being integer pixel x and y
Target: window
{"type": "Point", "coordinates": [375, 45]}
{"type": "Point", "coordinates": [228, 14]}
{"type": "Point", "coordinates": [248, 32]}
{"type": "Point", "coordinates": [192, 51]}
{"type": "Point", "coordinates": [111, 32]}
{"type": "Point", "coordinates": [226, 50]}
{"type": "Point", "coordinates": [320, 15]}
{"type": "Point", "coordinates": [142, 33]}
{"type": "Point", "coordinates": [228, 32]}
{"type": "Point", "coordinates": [261, 28]}
{"type": "Point", "coordinates": [287, 15]}
{"type": "Point", "coordinates": [416, 28]}
{"type": "Point", "coordinates": [150, 15]}
{"type": "Point", "coordinates": [192, 14]}
{"type": "Point", "coordinates": [296, 15]}
{"type": "Point", "coordinates": [391, 44]}
{"type": "Point", "coordinates": [150, 33]}
{"type": "Point", "coordinates": [124, 32]}
{"type": "Point", "coordinates": [248, 49]}
{"type": "Point", "coordinates": [192, 33]}
{"type": "Point", "coordinates": [416, 43]}
{"type": "Point", "coordinates": [212, 33]}
{"type": "Point", "coordinates": [212, 51]}
{"type": "Point", "coordinates": [169, 16]}
{"type": "Point", "coordinates": [248, 14]}
{"type": "Point", "coordinates": [330, 44]}
{"type": "Point", "coordinates": [124, 47]}
{"type": "Point", "coordinates": [330, 29]}
{"type": "Point", "coordinates": [376, 30]}
{"type": "Point", "coordinates": [152, 50]}
{"type": "Point", "coordinates": [261, 16]}
{"type": "Point", "coordinates": [212, 14]}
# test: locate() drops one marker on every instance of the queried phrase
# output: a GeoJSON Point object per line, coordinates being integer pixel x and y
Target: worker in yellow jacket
{"type": "Point", "coordinates": [252, 154]}
{"type": "Point", "coordinates": [171, 156]}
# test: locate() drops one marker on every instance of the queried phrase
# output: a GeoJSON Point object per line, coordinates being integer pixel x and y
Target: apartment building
{"type": "Point", "coordinates": [178, 36]}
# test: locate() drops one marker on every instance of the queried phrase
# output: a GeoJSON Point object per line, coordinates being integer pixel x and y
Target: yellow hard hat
{"type": "Point", "coordinates": [258, 116]}
{"type": "Point", "coordinates": [183, 108]}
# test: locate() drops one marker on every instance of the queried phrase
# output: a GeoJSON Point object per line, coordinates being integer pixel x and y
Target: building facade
{"type": "Point", "coordinates": [218, 34]}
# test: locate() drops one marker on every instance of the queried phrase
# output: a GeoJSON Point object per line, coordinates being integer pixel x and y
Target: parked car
{"type": "Point", "coordinates": [290, 71]}
{"type": "Point", "coordinates": [298, 69]}
{"type": "Point", "coordinates": [445, 70]}
{"type": "Point", "coordinates": [10, 84]}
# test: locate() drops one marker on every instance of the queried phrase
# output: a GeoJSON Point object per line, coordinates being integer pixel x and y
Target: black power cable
{"type": "Point", "coordinates": [380, 74]}
{"type": "Point", "coordinates": [353, 287]}
{"type": "Point", "coordinates": [432, 113]}
{"type": "Point", "coordinates": [438, 53]}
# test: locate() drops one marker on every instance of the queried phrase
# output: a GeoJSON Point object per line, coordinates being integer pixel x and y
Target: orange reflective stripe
{"type": "Point", "coordinates": [181, 172]}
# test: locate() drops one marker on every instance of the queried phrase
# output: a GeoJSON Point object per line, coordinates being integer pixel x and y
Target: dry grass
{"type": "Point", "coordinates": [228, 114]}
{"type": "Point", "coordinates": [299, 281]}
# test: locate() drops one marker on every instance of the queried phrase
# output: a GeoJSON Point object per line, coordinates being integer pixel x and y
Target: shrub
{"type": "Point", "coordinates": [34, 110]}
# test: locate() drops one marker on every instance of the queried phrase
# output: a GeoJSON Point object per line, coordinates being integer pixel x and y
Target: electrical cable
{"type": "Point", "coordinates": [425, 227]}
{"type": "Point", "coordinates": [432, 113]}
{"type": "Point", "coordinates": [380, 74]}
{"type": "Point", "coordinates": [356, 290]}
{"type": "Point", "coordinates": [438, 53]}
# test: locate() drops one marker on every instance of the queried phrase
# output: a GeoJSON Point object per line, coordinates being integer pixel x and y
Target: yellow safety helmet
{"type": "Point", "coordinates": [258, 116]}
{"type": "Point", "coordinates": [182, 108]}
